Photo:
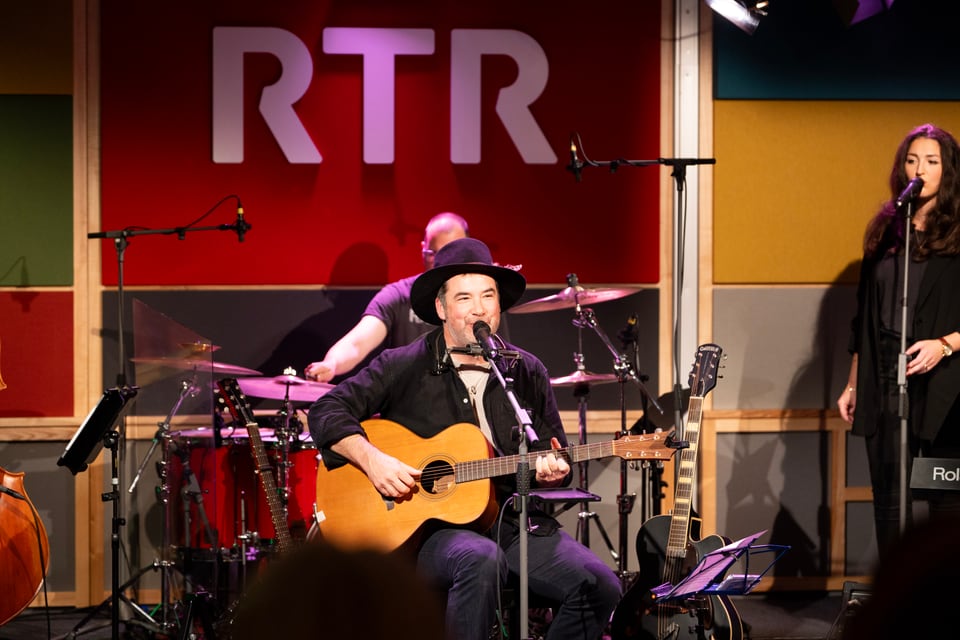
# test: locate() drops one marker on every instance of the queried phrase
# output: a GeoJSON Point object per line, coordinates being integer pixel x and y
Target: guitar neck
{"type": "Point", "coordinates": [505, 465]}
{"type": "Point", "coordinates": [265, 471]}
{"type": "Point", "coordinates": [683, 495]}
{"type": "Point", "coordinates": [232, 395]}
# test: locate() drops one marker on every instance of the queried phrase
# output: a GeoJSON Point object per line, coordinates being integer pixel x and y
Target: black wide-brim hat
{"type": "Point", "coordinates": [465, 255]}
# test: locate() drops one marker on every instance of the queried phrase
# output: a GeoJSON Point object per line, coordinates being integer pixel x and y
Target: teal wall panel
{"type": "Point", "coordinates": [803, 50]}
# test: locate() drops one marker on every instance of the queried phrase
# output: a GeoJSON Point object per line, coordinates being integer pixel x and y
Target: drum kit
{"type": "Point", "coordinates": [216, 518]}
{"type": "Point", "coordinates": [576, 297]}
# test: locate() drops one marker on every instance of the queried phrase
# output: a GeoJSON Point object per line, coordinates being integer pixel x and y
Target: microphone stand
{"type": "Point", "coordinates": [680, 177]}
{"type": "Point", "coordinates": [903, 404]}
{"type": "Point", "coordinates": [526, 432]}
{"type": "Point", "coordinates": [121, 241]}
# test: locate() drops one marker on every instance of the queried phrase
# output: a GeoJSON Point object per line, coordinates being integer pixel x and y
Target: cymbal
{"type": "Point", "coordinates": [582, 377]}
{"type": "Point", "coordinates": [285, 386]}
{"type": "Point", "coordinates": [573, 296]}
{"type": "Point", "coordinates": [198, 364]}
{"type": "Point", "coordinates": [197, 348]}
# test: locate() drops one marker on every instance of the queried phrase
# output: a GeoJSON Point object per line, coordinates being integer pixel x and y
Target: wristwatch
{"type": "Point", "coordinates": [947, 349]}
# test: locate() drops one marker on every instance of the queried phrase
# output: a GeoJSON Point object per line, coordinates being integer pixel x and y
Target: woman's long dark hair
{"type": "Point", "coordinates": [942, 226]}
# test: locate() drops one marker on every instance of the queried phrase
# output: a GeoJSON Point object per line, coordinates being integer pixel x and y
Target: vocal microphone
{"type": "Point", "coordinates": [575, 164]}
{"type": "Point", "coordinates": [481, 331]}
{"type": "Point", "coordinates": [469, 350]}
{"type": "Point", "coordinates": [629, 333]}
{"type": "Point", "coordinates": [476, 350]}
{"type": "Point", "coordinates": [240, 225]}
{"type": "Point", "coordinates": [911, 191]}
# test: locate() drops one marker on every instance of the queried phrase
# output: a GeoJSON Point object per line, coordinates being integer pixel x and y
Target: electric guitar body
{"type": "Point", "coordinates": [669, 547]}
{"type": "Point", "coordinates": [638, 617]}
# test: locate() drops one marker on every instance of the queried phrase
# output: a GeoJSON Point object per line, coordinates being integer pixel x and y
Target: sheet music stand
{"type": "Point", "coordinates": [708, 576]}
{"type": "Point", "coordinates": [567, 496]}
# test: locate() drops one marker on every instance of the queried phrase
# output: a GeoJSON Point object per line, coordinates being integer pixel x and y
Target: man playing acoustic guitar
{"type": "Point", "coordinates": [437, 397]}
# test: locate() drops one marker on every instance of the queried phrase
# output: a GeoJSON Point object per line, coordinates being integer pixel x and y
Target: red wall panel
{"type": "Point", "coordinates": [36, 353]}
{"type": "Point", "coordinates": [344, 221]}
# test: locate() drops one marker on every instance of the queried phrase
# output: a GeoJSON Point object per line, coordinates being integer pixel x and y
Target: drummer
{"type": "Point", "coordinates": [388, 318]}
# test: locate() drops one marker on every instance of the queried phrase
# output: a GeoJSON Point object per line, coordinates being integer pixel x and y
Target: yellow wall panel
{"type": "Point", "coordinates": [796, 182]}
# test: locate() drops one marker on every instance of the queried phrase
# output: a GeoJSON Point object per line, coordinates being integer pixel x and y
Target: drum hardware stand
{"type": "Point", "coordinates": [285, 437]}
{"type": "Point", "coordinates": [198, 602]}
{"type": "Point", "coordinates": [191, 492]}
{"type": "Point", "coordinates": [248, 540]}
{"type": "Point", "coordinates": [581, 390]}
{"type": "Point", "coordinates": [187, 388]}
{"type": "Point", "coordinates": [585, 317]}
{"type": "Point", "coordinates": [652, 477]}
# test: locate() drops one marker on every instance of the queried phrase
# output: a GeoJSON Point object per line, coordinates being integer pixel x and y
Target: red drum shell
{"type": "Point", "coordinates": [230, 493]}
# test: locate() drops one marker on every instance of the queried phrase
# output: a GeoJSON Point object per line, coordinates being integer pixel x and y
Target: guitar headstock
{"type": "Point", "coordinates": [703, 377]}
{"type": "Point", "coordinates": [645, 445]}
{"type": "Point", "coordinates": [236, 402]}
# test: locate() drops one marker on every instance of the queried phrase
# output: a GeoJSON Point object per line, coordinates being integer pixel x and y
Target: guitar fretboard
{"type": "Point", "coordinates": [265, 471]}
{"type": "Point", "coordinates": [237, 403]}
{"type": "Point", "coordinates": [625, 447]}
{"type": "Point", "coordinates": [683, 495]}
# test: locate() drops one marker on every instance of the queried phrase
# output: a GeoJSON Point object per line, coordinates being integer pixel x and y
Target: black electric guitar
{"type": "Point", "coordinates": [239, 408]}
{"type": "Point", "coordinates": [669, 547]}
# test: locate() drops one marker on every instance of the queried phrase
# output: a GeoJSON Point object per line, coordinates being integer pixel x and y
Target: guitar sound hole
{"type": "Point", "coordinates": [437, 477]}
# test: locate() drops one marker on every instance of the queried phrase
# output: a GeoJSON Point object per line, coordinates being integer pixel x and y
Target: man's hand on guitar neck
{"type": "Point", "coordinates": [551, 470]}
{"type": "Point", "coordinates": [390, 476]}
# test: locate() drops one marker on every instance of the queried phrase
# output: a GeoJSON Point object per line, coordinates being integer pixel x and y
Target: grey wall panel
{"type": "Point", "coordinates": [50, 489]}
{"type": "Point", "coordinates": [786, 348]}
{"type": "Point", "coordinates": [777, 482]}
{"type": "Point", "coordinates": [861, 543]}
{"type": "Point", "coordinates": [268, 330]}
{"type": "Point", "coordinates": [858, 473]}
{"type": "Point", "coordinates": [264, 330]}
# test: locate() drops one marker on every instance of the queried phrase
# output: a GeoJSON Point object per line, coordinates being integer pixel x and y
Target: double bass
{"type": "Point", "coordinates": [24, 548]}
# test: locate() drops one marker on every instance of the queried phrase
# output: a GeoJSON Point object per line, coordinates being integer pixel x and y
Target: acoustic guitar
{"type": "Point", "coordinates": [239, 408]}
{"type": "Point", "coordinates": [669, 547]}
{"type": "Point", "coordinates": [456, 467]}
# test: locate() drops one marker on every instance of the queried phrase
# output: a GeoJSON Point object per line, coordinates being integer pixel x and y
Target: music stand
{"type": "Point", "coordinates": [90, 438]}
{"type": "Point", "coordinates": [96, 432]}
{"type": "Point", "coordinates": [709, 576]}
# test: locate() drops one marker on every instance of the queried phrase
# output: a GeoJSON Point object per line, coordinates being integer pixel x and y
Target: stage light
{"type": "Point", "coordinates": [854, 11]}
{"type": "Point", "coordinates": [745, 14]}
